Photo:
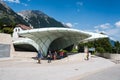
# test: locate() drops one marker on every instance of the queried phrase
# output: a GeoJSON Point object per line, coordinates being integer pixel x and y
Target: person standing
{"type": "Point", "coordinates": [55, 55]}
{"type": "Point", "coordinates": [61, 54]}
{"type": "Point", "coordinates": [87, 55]}
{"type": "Point", "coordinates": [49, 56]}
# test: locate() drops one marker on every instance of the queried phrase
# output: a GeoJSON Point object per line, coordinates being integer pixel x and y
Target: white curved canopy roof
{"type": "Point", "coordinates": [54, 38]}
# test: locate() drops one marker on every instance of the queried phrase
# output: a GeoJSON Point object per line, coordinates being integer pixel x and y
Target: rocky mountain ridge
{"type": "Point", "coordinates": [38, 19]}
{"type": "Point", "coordinates": [9, 17]}
{"type": "Point", "coordinates": [33, 18]}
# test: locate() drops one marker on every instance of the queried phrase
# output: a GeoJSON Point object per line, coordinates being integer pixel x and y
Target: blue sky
{"type": "Point", "coordinates": [87, 15]}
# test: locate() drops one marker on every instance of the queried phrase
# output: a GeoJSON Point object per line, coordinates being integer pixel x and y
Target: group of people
{"type": "Point", "coordinates": [54, 55]}
{"type": "Point", "coordinates": [51, 55]}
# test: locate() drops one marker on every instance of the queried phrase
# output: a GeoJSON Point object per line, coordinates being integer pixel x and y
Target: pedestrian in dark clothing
{"type": "Point", "coordinates": [49, 57]}
{"type": "Point", "coordinates": [39, 57]}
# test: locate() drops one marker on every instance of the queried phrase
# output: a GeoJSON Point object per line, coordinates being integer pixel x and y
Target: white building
{"type": "Point", "coordinates": [45, 39]}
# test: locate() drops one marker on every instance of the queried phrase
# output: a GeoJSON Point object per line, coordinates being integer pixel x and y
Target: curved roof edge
{"type": "Point", "coordinates": [91, 35]}
{"type": "Point", "coordinates": [95, 36]}
{"type": "Point", "coordinates": [26, 41]}
{"type": "Point", "coordinates": [53, 29]}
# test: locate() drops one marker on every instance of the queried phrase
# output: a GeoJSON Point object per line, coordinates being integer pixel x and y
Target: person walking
{"type": "Point", "coordinates": [39, 56]}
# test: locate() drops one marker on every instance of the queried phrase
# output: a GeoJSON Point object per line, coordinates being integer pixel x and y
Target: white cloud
{"type": "Point", "coordinates": [114, 33]}
{"type": "Point", "coordinates": [103, 26]}
{"type": "Point", "coordinates": [72, 24]}
{"type": "Point", "coordinates": [76, 24]}
{"type": "Point", "coordinates": [79, 3]}
{"type": "Point", "coordinates": [117, 24]}
{"type": "Point", "coordinates": [110, 31]}
{"type": "Point", "coordinates": [16, 1]}
{"type": "Point", "coordinates": [69, 24]}
{"type": "Point", "coordinates": [12, 1]}
{"type": "Point", "coordinates": [98, 31]}
{"type": "Point", "coordinates": [24, 4]}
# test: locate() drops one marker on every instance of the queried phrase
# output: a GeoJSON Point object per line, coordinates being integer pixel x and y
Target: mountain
{"type": "Point", "coordinates": [33, 18]}
{"type": "Point", "coordinates": [38, 19]}
{"type": "Point", "coordinates": [8, 17]}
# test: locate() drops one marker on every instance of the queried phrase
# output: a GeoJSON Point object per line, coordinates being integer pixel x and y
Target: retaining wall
{"type": "Point", "coordinates": [23, 54]}
{"type": "Point", "coordinates": [110, 56]}
{"type": "Point", "coordinates": [7, 48]}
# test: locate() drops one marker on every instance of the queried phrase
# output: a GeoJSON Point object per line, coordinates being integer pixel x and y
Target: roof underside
{"type": "Point", "coordinates": [54, 32]}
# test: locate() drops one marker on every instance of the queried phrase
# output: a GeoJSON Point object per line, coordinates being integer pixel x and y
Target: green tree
{"type": "Point", "coordinates": [100, 50]}
{"type": "Point", "coordinates": [117, 47]}
{"type": "Point", "coordinates": [101, 45]}
{"type": "Point", "coordinates": [8, 30]}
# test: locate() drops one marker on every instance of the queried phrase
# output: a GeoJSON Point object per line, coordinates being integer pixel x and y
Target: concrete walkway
{"type": "Point", "coordinates": [66, 69]}
{"type": "Point", "coordinates": [112, 73]}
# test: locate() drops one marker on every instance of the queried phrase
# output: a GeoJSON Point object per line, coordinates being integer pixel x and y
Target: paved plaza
{"type": "Point", "coordinates": [112, 73]}
{"type": "Point", "coordinates": [65, 69]}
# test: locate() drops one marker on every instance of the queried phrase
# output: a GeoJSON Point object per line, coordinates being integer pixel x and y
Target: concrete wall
{"type": "Point", "coordinates": [23, 54]}
{"type": "Point", "coordinates": [115, 56]}
{"type": "Point", "coordinates": [6, 39]}
{"type": "Point", "coordinates": [110, 56]}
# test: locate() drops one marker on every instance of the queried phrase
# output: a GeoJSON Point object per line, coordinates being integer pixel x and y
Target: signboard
{"type": "Point", "coordinates": [91, 49]}
{"type": "Point", "coordinates": [4, 50]}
